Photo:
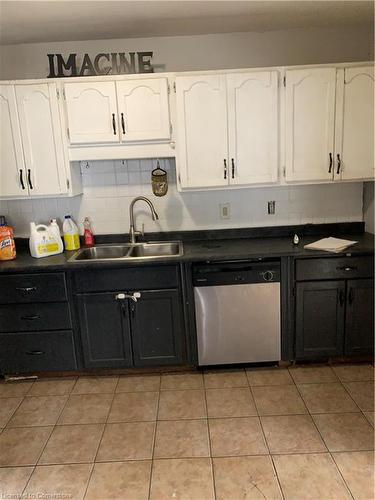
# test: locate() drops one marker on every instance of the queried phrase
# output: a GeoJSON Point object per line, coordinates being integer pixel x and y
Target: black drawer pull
{"type": "Point", "coordinates": [27, 289]}
{"type": "Point", "coordinates": [36, 316]}
{"type": "Point", "coordinates": [35, 353]}
{"type": "Point", "coordinates": [351, 295]}
{"type": "Point", "coordinates": [347, 268]}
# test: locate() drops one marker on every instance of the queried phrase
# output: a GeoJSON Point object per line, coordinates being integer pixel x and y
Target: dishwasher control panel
{"type": "Point", "coordinates": [232, 273]}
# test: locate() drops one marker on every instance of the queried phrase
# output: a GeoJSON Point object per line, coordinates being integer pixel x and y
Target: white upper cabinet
{"type": "Point", "coordinates": [202, 140]}
{"type": "Point", "coordinates": [41, 138]}
{"type": "Point", "coordinates": [310, 118]}
{"type": "Point", "coordinates": [122, 111]}
{"type": "Point", "coordinates": [92, 112]}
{"type": "Point", "coordinates": [354, 146]}
{"type": "Point", "coordinates": [12, 167]}
{"type": "Point", "coordinates": [143, 109]}
{"type": "Point", "coordinates": [253, 127]}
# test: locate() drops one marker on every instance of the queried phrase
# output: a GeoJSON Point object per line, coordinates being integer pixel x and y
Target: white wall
{"type": "Point", "coordinates": [110, 186]}
{"type": "Point", "coordinates": [221, 51]}
{"type": "Point", "coordinates": [368, 206]}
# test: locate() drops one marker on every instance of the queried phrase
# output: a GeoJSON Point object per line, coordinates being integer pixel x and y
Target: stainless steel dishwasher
{"type": "Point", "coordinates": [237, 309]}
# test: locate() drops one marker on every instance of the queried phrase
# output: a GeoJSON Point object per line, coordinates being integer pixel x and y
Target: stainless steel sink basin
{"type": "Point", "coordinates": [160, 249]}
{"type": "Point", "coordinates": [141, 251]}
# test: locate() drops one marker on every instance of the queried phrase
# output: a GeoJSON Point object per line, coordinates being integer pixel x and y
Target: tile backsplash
{"type": "Point", "coordinates": [110, 186]}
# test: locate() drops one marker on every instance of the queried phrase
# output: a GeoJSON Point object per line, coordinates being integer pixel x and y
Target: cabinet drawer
{"type": "Point", "coordinates": [28, 317]}
{"type": "Point", "coordinates": [334, 268]}
{"type": "Point", "coordinates": [134, 278]}
{"type": "Point", "coordinates": [34, 352]}
{"type": "Point", "coordinates": [24, 288]}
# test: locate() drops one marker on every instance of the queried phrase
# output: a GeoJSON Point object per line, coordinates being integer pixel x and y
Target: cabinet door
{"type": "Point", "coordinates": [310, 114]}
{"type": "Point", "coordinates": [157, 333]}
{"type": "Point", "coordinates": [320, 310]}
{"type": "Point", "coordinates": [355, 123]}
{"type": "Point", "coordinates": [202, 140]}
{"type": "Point", "coordinates": [253, 127]}
{"type": "Point", "coordinates": [359, 327]}
{"type": "Point", "coordinates": [41, 137]}
{"type": "Point", "coordinates": [12, 168]}
{"type": "Point", "coordinates": [143, 109]}
{"type": "Point", "coordinates": [92, 112]}
{"type": "Point", "coordinates": [104, 323]}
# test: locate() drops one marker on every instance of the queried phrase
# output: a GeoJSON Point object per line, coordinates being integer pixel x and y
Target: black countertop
{"type": "Point", "coordinates": [209, 249]}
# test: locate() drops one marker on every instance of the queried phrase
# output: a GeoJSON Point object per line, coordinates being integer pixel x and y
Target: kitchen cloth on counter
{"type": "Point", "coordinates": [335, 245]}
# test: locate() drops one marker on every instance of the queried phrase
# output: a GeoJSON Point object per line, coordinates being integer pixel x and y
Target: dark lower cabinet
{"type": "Point", "coordinates": [105, 330]}
{"type": "Point", "coordinates": [156, 325]}
{"type": "Point", "coordinates": [359, 325]}
{"type": "Point", "coordinates": [37, 351]}
{"type": "Point", "coordinates": [117, 331]}
{"type": "Point", "coordinates": [320, 317]}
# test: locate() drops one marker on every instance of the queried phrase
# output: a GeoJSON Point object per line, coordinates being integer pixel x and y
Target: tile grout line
{"type": "Point", "coordinates": [100, 441]}
{"type": "Point", "coordinates": [342, 477]}
{"type": "Point", "coordinates": [45, 445]}
{"type": "Point", "coordinates": [265, 441]}
{"type": "Point", "coordinates": [154, 441]}
{"type": "Point", "coordinates": [53, 428]}
{"type": "Point", "coordinates": [209, 438]}
{"type": "Point", "coordinates": [328, 450]}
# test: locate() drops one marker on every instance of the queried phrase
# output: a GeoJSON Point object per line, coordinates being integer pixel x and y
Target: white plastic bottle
{"type": "Point", "coordinates": [54, 228]}
{"type": "Point", "coordinates": [43, 241]}
{"type": "Point", "coordinates": [71, 234]}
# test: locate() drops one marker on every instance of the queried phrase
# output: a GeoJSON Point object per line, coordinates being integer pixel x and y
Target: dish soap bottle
{"type": "Point", "coordinates": [7, 245]}
{"type": "Point", "coordinates": [88, 235]}
{"type": "Point", "coordinates": [71, 234]}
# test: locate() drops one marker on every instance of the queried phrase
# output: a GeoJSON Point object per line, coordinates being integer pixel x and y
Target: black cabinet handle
{"type": "Point", "coordinates": [225, 169]}
{"type": "Point", "coordinates": [351, 295]}
{"type": "Point", "coordinates": [132, 310]}
{"type": "Point", "coordinates": [342, 297]}
{"type": "Point", "coordinates": [232, 168]}
{"type": "Point", "coordinates": [29, 178]}
{"type": "Point", "coordinates": [338, 164]}
{"type": "Point", "coordinates": [114, 123]}
{"type": "Point", "coordinates": [26, 289]}
{"type": "Point", "coordinates": [35, 353]}
{"type": "Point", "coordinates": [347, 268]}
{"type": "Point", "coordinates": [30, 318]}
{"type": "Point", "coordinates": [123, 123]}
{"type": "Point", "coordinates": [21, 179]}
{"type": "Point", "coordinates": [330, 163]}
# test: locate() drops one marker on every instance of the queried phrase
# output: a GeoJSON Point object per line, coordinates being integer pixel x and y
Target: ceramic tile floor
{"type": "Point", "coordinates": [298, 433]}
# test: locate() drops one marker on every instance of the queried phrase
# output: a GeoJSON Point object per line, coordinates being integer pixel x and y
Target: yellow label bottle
{"type": "Point", "coordinates": [71, 234]}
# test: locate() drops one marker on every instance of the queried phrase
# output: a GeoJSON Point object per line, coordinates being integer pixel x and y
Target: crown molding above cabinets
{"type": "Point", "coordinates": [227, 129]}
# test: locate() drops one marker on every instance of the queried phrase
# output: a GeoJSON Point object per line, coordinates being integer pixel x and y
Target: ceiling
{"type": "Point", "coordinates": [55, 20]}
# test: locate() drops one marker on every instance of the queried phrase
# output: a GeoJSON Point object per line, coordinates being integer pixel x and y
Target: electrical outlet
{"type": "Point", "coordinates": [271, 207]}
{"type": "Point", "coordinates": [224, 210]}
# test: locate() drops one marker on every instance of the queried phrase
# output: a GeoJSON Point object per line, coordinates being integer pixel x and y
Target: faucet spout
{"type": "Point", "coordinates": [133, 233]}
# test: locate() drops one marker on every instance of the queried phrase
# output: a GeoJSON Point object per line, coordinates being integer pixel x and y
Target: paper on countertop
{"type": "Point", "coordinates": [335, 245]}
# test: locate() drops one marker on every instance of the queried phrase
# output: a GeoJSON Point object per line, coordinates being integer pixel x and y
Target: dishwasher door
{"type": "Point", "coordinates": [238, 323]}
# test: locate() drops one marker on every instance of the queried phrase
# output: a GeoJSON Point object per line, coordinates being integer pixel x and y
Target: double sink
{"type": "Point", "coordinates": [130, 251]}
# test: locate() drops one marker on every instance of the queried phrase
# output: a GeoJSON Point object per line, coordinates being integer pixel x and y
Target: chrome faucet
{"type": "Point", "coordinates": [133, 233]}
